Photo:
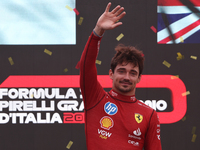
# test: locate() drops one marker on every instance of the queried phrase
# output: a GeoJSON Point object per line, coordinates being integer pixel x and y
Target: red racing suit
{"type": "Point", "coordinates": [114, 121]}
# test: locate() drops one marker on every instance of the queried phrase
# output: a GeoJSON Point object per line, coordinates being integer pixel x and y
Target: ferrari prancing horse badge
{"type": "Point", "coordinates": [138, 118]}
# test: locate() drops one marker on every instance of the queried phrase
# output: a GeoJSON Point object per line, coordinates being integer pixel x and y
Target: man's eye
{"type": "Point", "coordinates": [121, 71]}
{"type": "Point", "coordinates": [133, 73]}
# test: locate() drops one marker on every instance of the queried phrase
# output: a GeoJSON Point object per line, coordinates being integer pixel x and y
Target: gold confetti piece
{"type": "Point", "coordinates": [181, 39]}
{"type": "Point", "coordinates": [11, 61]}
{"type": "Point", "coordinates": [69, 8]}
{"type": "Point", "coordinates": [65, 70]}
{"type": "Point", "coordinates": [186, 93]}
{"type": "Point", "coordinates": [194, 137]}
{"type": "Point", "coordinates": [80, 21]}
{"type": "Point", "coordinates": [69, 145]}
{"type": "Point", "coordinates": [193, 57]}
{"type": "Point", "coordinates": [193, 130]}
{"type": "Point", "coordinates": [175, 77]}
{"type": "Point", "coordinates": [166, 63]}
{"type": "Point", "coordinates": [98, 62]}
{"type": "Point", "coordinates": [120, 37]}
{"type": "Point", "coordinates": [48, 52]}
{"type": "Point", "coordinates": [180, 56]}
{"type": "Point", "coordinates": [184, 118]}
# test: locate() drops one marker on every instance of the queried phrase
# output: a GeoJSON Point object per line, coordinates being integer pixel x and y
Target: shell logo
{"type": "Point", "coordinates": [106, 123]}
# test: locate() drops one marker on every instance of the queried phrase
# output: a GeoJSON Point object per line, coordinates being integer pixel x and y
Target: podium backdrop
{"type": "Point", "coordinates": [41, 42]}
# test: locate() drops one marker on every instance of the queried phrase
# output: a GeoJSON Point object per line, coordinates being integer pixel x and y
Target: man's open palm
{"type": "Point", "coordinates": [109, 20]}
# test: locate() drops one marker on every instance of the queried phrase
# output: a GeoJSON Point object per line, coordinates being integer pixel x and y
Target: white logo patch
{"type": "Point", "coordinates": [137, 132]}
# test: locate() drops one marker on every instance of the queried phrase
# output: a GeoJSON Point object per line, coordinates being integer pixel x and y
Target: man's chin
{"type": "Point", "coordinates": [125, 89]}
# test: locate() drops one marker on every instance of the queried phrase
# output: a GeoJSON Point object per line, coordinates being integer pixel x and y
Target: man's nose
{"type": "Point", "coordinates": [127, 77]}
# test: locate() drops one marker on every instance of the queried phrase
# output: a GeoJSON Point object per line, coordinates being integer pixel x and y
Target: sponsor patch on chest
{"type": "Point", "coordinates": [138, 117]}
{"type": "Point", "coordinates": [104, 134]}
{"type": "Point", "coordinates": [110, 108]}
{"type": "Point", "coordinates": [106, 122]}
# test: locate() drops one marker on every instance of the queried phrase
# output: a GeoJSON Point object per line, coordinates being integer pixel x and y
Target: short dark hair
{"type": "Point", "coordinates": [128, 54]}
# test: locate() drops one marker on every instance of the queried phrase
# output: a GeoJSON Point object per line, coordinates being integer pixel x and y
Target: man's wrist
{"type": "Point", "coordinates": [97, 34]}
{"type": "Point", "coordinates": [98, 31]}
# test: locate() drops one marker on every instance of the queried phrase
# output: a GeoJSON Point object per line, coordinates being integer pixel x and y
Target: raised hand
{"type": "Point", "coordinates": [108, 20]}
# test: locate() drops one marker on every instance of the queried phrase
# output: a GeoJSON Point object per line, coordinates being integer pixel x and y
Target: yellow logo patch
{"type": "Point", "coordinates": [106, 123]}
{"type": "Point", "coordinates": [138, 118]}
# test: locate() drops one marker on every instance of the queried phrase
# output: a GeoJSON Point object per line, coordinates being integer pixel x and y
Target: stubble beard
{"type": "Point", "coordinates": [124, 89]}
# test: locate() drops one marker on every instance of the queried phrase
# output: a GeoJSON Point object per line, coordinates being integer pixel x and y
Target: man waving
{"type": "Point", "coordinates": [116, 120]}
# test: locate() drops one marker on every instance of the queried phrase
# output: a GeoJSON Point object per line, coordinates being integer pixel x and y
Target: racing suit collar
{"type": "Point", "coordinates": [121, 97]}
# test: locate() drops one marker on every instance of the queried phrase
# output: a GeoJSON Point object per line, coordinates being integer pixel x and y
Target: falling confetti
{"type": "Point", "coordinates": [181, 39]}
{"type": "Point", "coordinates": [193, 57]}
{"type": "Point", "coordinates": [65, 70]}
{"type": "Point", "coordinates": [11, 61]}
{"type": "Point", "coordinates": [48, 52]}
{"type": "Point", "coordinates": [69, 145]}
{"type": "Point", "coordinates": [186, 93]}
{"type": "Point", "coordinates": [69, 8]}
{"type": "Point", "coordinates": [166, 63]}
{"type": "Point", "coordinates": [120, 37]}
{"type": "Point", "coordinates": [80, 21]}
{"type": "Point", "coordinates": [154, 29]}
{"type": "Point", "coordinates": [78, 65]}
{"type": "Point", "coordinates": [193, 130]}
{"type": "Point", "coordinates": [180, 56]}
{"type": "Point", "coordinates": [76, 11]}
{"type": "Point", "coordinates": [175, 77]}
{"type": "Point", "coordinates": [194, 137]}
{"type": "Point", "coordinates": [31, 96]}
{"type": "Point", "coordinates": [98, 62]}
{"type": "Point", "coordinates": [184, 118]}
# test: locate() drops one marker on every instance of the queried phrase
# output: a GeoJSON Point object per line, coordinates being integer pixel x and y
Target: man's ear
{"type": "Point", "coordinates": [111, 74]}
{"type": "Point", "coordinates": [139, 78]}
